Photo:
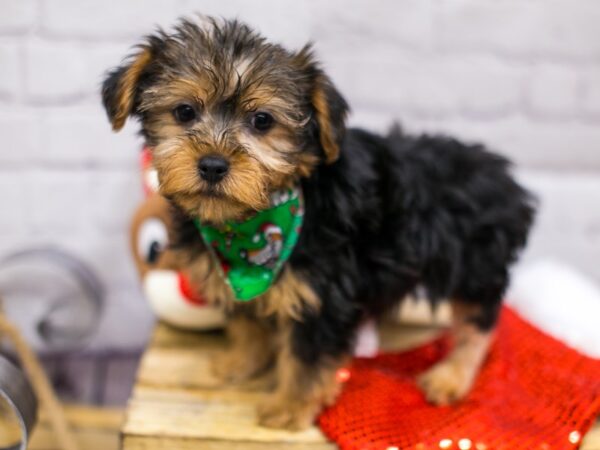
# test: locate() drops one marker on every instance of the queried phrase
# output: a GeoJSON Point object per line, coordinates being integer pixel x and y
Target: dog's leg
{"type": "Point", "coordinates": [451, 379]}
{"type": "Point", "coordinates": [251, 349]}
{"type": "Point", "coordinates": [303, 388]}
{"type": "Point", "coordinates": [314, 340]}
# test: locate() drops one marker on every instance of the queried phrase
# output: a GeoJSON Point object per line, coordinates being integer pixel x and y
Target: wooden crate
{"type": "Point", "coordinates": [94, 428]}
{"type": "Point", "coordinates": [178, 404]}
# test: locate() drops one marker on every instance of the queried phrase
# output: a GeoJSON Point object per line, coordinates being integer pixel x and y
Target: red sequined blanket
{"type": "Point", "coordinates": [533, 393]}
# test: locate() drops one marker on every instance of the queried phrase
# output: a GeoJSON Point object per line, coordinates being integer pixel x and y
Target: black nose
{"type": "Point", "coordinates": [213, 168]}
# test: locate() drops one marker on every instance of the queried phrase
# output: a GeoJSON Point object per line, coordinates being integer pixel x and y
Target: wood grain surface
{"type": "Point", "coordinates": [178, 404]}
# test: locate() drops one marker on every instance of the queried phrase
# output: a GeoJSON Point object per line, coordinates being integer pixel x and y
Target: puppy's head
{"type": "Point", "coordinates": [230, 117]}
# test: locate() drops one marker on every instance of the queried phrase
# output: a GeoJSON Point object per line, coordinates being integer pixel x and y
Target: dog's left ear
{"type": "Point", "coordinates": [330, 108]}
{"type": "Point", "coordinates": [120, 87]}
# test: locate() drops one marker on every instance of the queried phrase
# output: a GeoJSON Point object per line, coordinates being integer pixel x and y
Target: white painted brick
{"type": "Point", "coordinates": [379, 122]}
{"type": "Point", "coordinates": [359, 26]}
{"type": "Point", "coordinates": [14, 200]}
{"type": "Point", "coordinates": [93, 19]}
{"type": "Point", "coordinates": [100, 58]}
{"type": "Point", "coordinates": [96, 59]}
{"type": "Point", "coordinates": [556, 145]}
{"type": "Point", "coordinates": [286, 22]}
{"type": "Point", "coordinates": [591, 92]}
{"type": "Point", "coordinates": [423, 91]}
{"type": "Point", "coordinates": [556, 28]}
{"type": "Point", "coordinates": [553, 91]}
{"type": "Point", "coordinates": [568, 202]}
{"type": "Point", "coordinates": [20, 136]}
{"type": "Point", "coordinates": [61, 201]}
{"type": "Point", "coordinates": [114, 197]}
{"type": "Point", "coordinates": [398, 82]}
{"type": "Point", "coordinates": [483, 86]}
{"type": "Point", "coordinates": [567, 226]}
{"type": "Point", "coordinates": [10, 64]}
{"type": "Point", "coordinates": [348, 72]}
{"type": "Point", "coordinates": [83, 136]}
{"type": "Point", "coordinates": [577, 251]}
{"type": "Point", "coordinates": [391, 80]}
{"type": "Point", "coordinates": [17, 15]}
{"type": "Point", "coordinates": [55, 71]}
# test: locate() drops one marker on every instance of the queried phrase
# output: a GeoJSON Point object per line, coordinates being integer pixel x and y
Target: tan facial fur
{"type": "Point", "coordinates": [227, 73]}
{"type": "Point", "coordinates": [258, 162]}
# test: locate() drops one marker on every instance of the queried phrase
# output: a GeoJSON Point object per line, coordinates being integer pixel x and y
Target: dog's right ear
{"type": "Point", "coordinates": [120, 86]}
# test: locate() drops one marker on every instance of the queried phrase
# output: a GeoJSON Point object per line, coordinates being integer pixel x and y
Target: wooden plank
{"type": "Point", "coordinates": [180, 359]}
{"type": "Point", "coordinates": [43, 438]}
{"type": "Point", "coordinates": [206, 414]}
{"type": "Point", "coordinates": [177, 367]}
{"type": "Point", "coordinates": [83, 416]}
{"type": "Point", "coordinates": [591, 440]}
{"type": "Point", "coordinates": [94, 428]}
{"type": "Point", "coordinates": [161, 443]}
{"type": "Point", "coordinates": [209, 415]}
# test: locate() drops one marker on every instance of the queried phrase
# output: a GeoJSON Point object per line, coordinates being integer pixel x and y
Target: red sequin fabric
{"type": "Point", "coordinates": [533, 392]}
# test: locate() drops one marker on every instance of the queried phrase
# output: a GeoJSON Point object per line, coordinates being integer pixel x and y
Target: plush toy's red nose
{"type": "Point", "coordinates": [188, 291]}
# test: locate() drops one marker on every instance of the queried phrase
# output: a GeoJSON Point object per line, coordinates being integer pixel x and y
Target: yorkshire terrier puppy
{"type": "Point", "coordinates": [235, 121]}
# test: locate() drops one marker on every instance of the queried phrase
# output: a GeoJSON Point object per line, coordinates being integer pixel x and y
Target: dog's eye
{"type": "Point", "coordinates": [184, 113]}
{"type": "Point", "coordinates": [262, 121]}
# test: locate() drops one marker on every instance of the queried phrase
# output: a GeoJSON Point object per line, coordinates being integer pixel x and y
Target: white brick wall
{"type": "Point", "coordinates": [541, 29]}
{"type": "Point", "coordinates": [17, 15]}
{"type": "Point", "coordinates": [523, 76]}
{"type": "Point", "coordinates": [9, 76]}
{"type": "Point", "coordinates": [554, 91]}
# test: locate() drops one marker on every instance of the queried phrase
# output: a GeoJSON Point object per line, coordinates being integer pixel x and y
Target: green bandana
{"type": "Point", "coordinates": [251, 253]}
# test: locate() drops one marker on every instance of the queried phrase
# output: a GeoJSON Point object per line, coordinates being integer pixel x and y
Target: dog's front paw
{"type": "Point", "coordinates": [446, 382]}
{"type": "Point", "coordinates": [289, 415]}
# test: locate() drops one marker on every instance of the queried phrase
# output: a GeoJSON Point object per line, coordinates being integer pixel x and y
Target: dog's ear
{"type": "Point", "coordinates": [120, 87]}
{"type": "Point", "coordinates": [330, 108]}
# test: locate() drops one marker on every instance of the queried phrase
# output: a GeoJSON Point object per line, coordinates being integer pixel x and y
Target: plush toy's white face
{"type": "Point", "coordinates": [150, 235]}
{"type": "Point", "coordinates": [152, 240]}
{"type": "Point", "coordinates": [165, 287]}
